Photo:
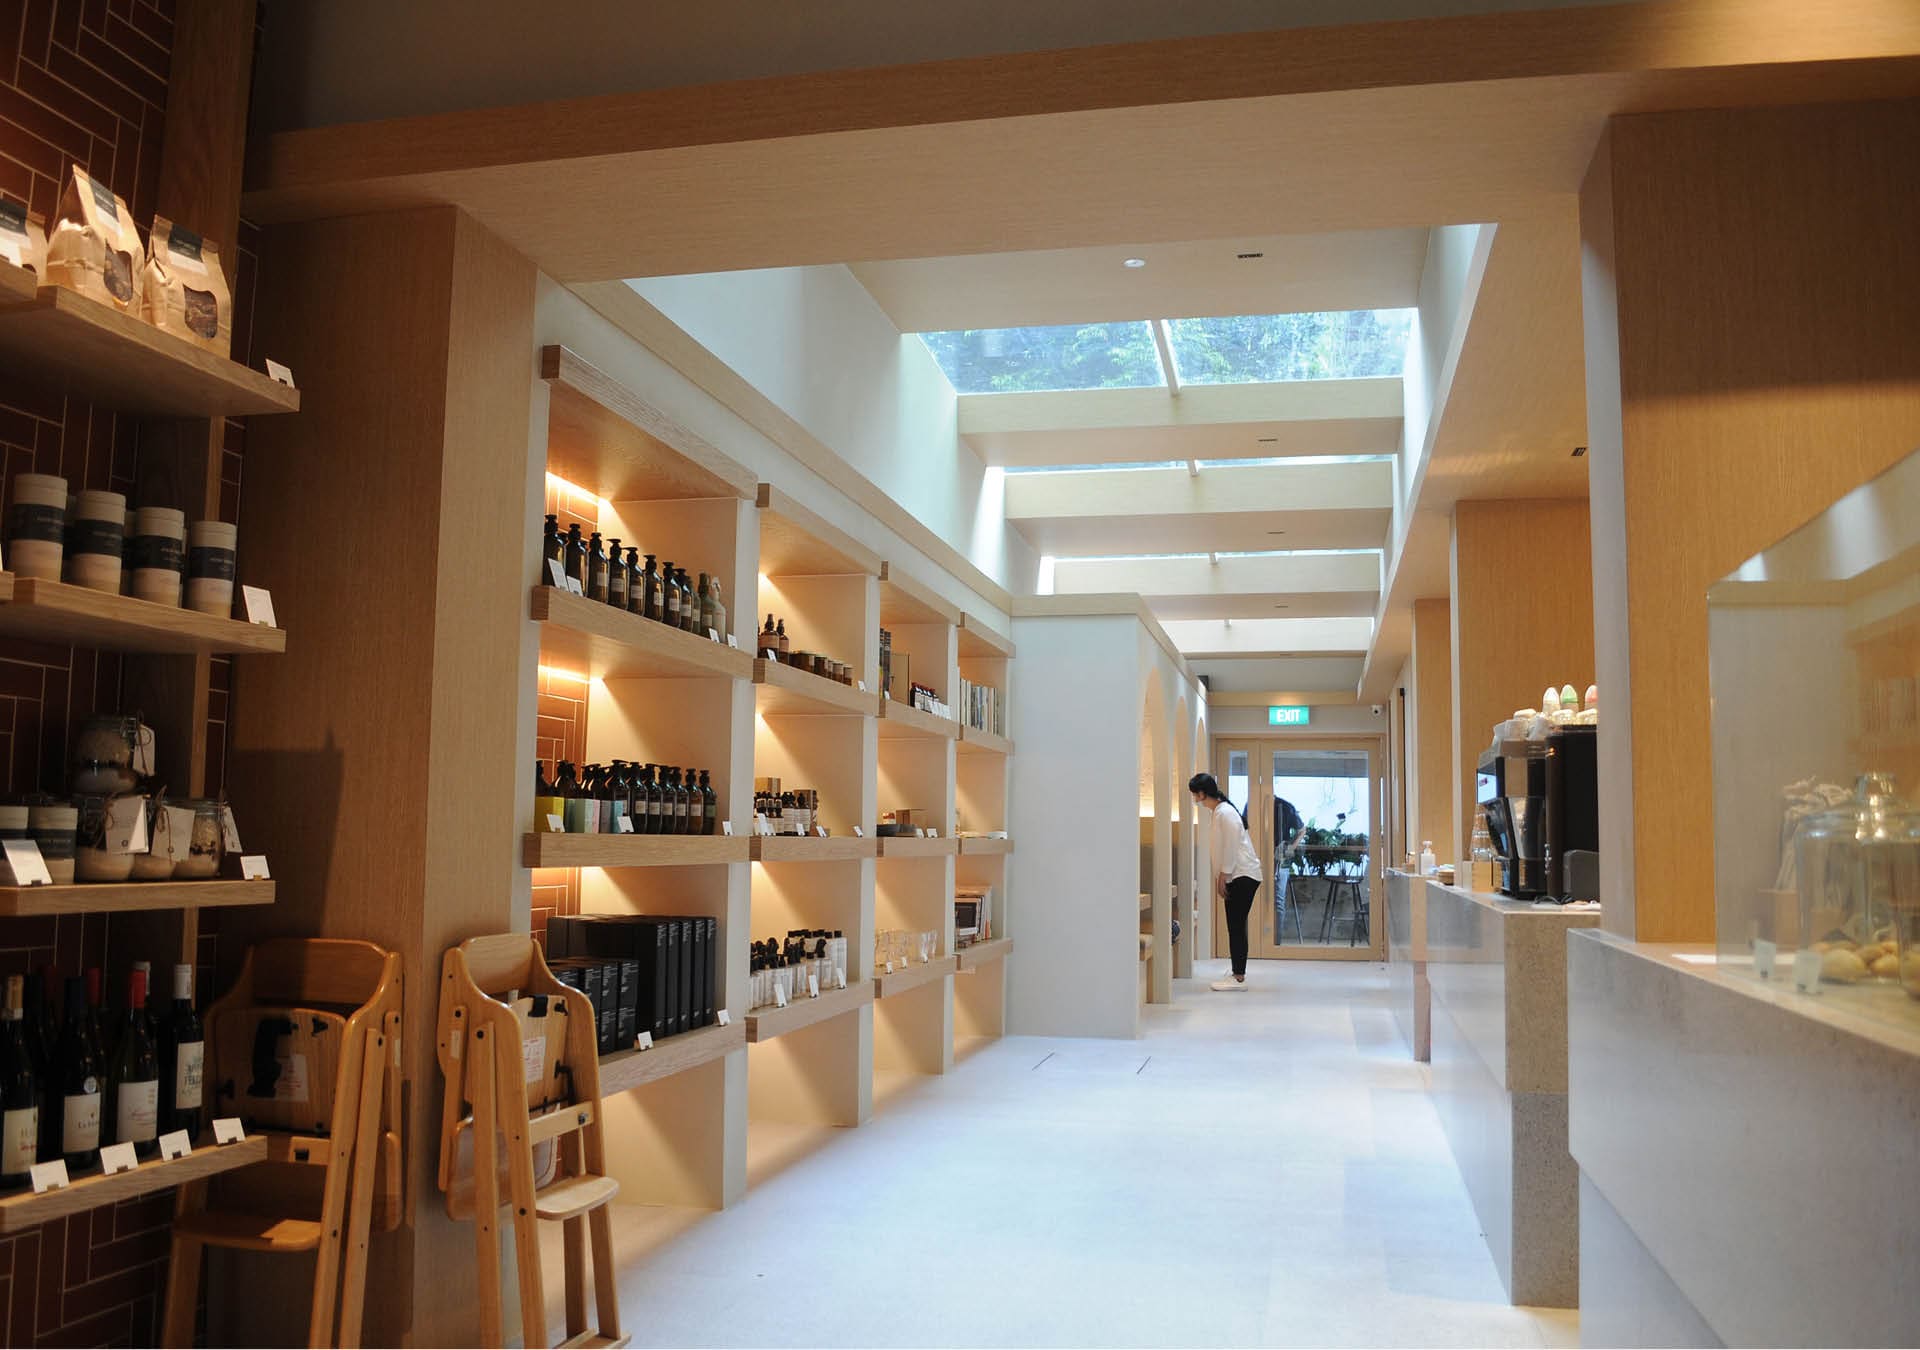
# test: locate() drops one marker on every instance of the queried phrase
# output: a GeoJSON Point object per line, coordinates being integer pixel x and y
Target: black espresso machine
{"type": "Point", "coordinates": [1542, 801]}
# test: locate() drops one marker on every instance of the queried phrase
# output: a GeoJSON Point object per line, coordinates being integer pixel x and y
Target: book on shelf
{"type": "Point", "coordinates": [983, 707]}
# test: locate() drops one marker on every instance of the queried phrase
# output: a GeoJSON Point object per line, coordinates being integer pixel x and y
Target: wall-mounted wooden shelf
{"type": "Point", "coordinates": [984, 953]}
{"type": "Point", "coordinates": [17, 284]}
{"type": "Point", "coordinates": [784, 691]}
{"type": "Point", "coordinates": [605, 438]}
{"type": "Point", "coordinates": [127, 896]}
{"type": "Point", "coordinates": [974, 741]}
{"type": "Point", "coordinates": [6, 586]}
{"type": "Point", "coordinates": [901, 846]}
{"type": "Point", "coordinates": [630, 850]}
{"type": "Point", "coordinates": [899, 720]}
{"type": "Point", "coordinates": [980, 848]}
{"type": "Point", "coordinates": [676, 1054]}
{"type": "Point", "coordinates": [595, 639]}
{"type": "Point", "coordinates": [905, 601]}
{"type": "Point", "coordinates": [796, 542]}
{"type": "Point", "coordinates": [26, 1210]}
{"type": "Point", "coordinates": [977, 640]}
{"type": "Point", "coordinates": [54, 611]}
{"type": "Point", "coordinates": [89, 348]}
{"type": "Point", "coordinates": [767, 1023]}
{"type": "Point", "coordinates": [798, 848]}
{"type": "Point", "coordinates": [913, 977]}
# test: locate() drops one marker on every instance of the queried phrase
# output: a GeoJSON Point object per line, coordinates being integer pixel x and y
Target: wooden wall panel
{"type": "Point", "coordinates": [1752, 355]}
{"type": "Point", "coordinates": [1431, 812]}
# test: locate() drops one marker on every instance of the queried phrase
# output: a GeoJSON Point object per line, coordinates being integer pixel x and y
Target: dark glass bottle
{"type": "Point", "coordinates": [616, 576]}
{"type": "Point", "coordinates": [769, 644]}
{"type": "Point", "coordinates": [654, 602]}
{"type": "Point", "coordinates": [566, 786]}
{"type": "Point", "coordinates": [97, 1018]}
{"type": "Point", "coordinates": [707, 620]}
{"type": "Point", "coordinates": [596, 569]}
{"type": "Point", "coordinates": [77, 1081]}
{"type": "Point", "coordinates": [133, 1081]}
{"type": "Point", "coordinates": [670, 592]}
{"type": "Point", "coordinates": [38, 1026]}
{"type": "Point", "coordinates": [636, 584]}
{"type": "Point", "coordinates": [19, 1091]}
{"type": "Point", "coordinates": [183, 1060]}
{"type": "Point", "coordinates": [576, 556]}
{"type": "Point", "coordinates": [659, 803]}
{"type": "Point", "coordinates": [712, 798]}
{"type": "Point", "coordinates": [682, 803]}
{"type": "Point", "coordinates": [689, 604]}
{"type": "Point", "coordinates": [780, 639]}
{"type": "Point", "coordinates": [553, 546]}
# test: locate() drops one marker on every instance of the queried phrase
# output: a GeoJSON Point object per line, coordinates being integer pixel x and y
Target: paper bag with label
{"type": "Point", "coordinates": [186, 289]}
{"type": "Point", "coordinates": [22, 242]}
{"type": "Point", "coordinates": [277, 1066]}
{"type": "Point", "coordinates": [95, 248]}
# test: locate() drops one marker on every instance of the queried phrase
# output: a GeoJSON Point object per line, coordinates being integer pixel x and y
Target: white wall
{"type": "Point", "coordinates": [1449, 282]}
{"type": "Point", "coordinates": [814, 343]}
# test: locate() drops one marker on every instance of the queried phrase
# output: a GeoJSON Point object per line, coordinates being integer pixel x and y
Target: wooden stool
{"type": "Point", "coordinates": [304, 1049]}
{"type": "Point", "coordinates": [504, 1061]}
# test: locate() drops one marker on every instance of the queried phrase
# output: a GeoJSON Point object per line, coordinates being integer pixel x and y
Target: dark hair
{"type": "Point", "coordinates": [1204, 784]}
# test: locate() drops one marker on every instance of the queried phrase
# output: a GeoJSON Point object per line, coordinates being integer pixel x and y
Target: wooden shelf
{"type": "Point", "coordinates": [6, 586]}
{"type": "Point", "coordinates": [903, 847]}
{"type": "Point", "coordinates": [597, 640]}
{"type": "Point", "coordinates": [93, 349]}
{"type": "Point", "coordinates": [798, 848]}
{"type": "Point", "coordinates": [976, 848]}
{"type": "Point", "coordinates": [905, 601]}
{"type": "Point", "coordinates": [123, 897]}
{"type": "Point", "coordinates": [630, 850]}
{"type": "Point", "coordinates": [977, 640]}
{"type": "Point", "coordinates": [898, 720]}
{"type": "Point", "coordinates": [974, 741]}
{"type": "Point", "coordinates": [17, 284]}
{"type": "Point", "coordinates": [984, 953]}
{"type": "Point", "coordinates": [55, 611]}
{"type": "Point", "coordinates": [783, 691]}
{"type": "Point", "coordinates": [794, 542]}
{"type": "Point", "coordinates": [603, 437]}
{"type": "Point", "coordinates": [26, 1210]}
{"type": "Point", "coordinates": [912, 977]}
{"type": "Point", "coordinates": [767, 1023]}
{"type": "Point", "coordinates": [676, 1054]}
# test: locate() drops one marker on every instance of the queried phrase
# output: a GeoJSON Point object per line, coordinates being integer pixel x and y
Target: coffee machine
{"type": "Point", "coordinates": [1542, 802]}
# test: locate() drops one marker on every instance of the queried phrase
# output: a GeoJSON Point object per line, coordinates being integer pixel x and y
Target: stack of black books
{"type": "Point", "coordinates": [641, 972]}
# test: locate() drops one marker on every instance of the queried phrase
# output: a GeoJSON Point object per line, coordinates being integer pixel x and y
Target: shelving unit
{"type": "Point", "coordinates": [985, 848]}
{"type": "Point", "coordinates": [903, 846]}
{"type": "Point", "coordinates": [554, 849]}
{"type": "Point", "coordinates": [26, 1210]}
{"type": "Point", "coordinates": [912, 977]}
{"type": "Point", "coordinates": [600, 642]}
{"type": "Point", "coordinates": [56, 612]}
{"type": "Point", "coordinates": [131, 896]}
{"type": "Point", "coordinates": [604, 437]}
{"type": "Point", "coordinates": [797, 848]}
{"type": "Point", "coordinates": [900, 720]}
{"type": "Point", "coordinates": [766, 1024]}
{"type": "Point", "coordinates": [974, 741]}
{"type": "Point", "coordinates": [982, 954]}
{"type": "Point", "coordinates": [629, 1069]}
{"type": "Point", "coordinates": [783, 691]}
{"type": "Point", "coordinates": [982, 781]}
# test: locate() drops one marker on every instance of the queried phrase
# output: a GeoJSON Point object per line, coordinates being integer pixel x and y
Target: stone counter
{"type": "Point", "coordinates": [1407, 960]}
{"type": "Point", "coordinates": [1749, 1157]}
{"type": "Point", "coordinates": [1498, 975]}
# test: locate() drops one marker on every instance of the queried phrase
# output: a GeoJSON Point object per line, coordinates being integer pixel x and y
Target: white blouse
{"type": "Point", "coordinates": [1233, 852]}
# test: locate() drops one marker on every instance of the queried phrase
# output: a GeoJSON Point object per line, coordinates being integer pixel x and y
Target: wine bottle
{"type": "Point", "coordinates": [133, 1080]}
{"type": "Point", "coordinates": [183, 1058]}
{"type": "Point", "coordinates": [97, 1020]}
{"type": "Point", "coordinates": [77, 1082]}
{"type": "Point", "coordinates": [19, 1092]}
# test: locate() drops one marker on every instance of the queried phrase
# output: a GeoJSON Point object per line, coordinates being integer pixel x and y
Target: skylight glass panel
{"type": "Point", "coordinates": [1108, 466]}
{"type": "Point", "coordinates": [1037, 360]}
{"type": "Point", "coordinates": [1261, 348]}
{"type": "Point", "coordinates": [1297, 460]}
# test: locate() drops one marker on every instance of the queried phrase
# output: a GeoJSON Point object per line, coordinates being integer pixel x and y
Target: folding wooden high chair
{"type": "Point", "coordinates": [522, 1068]}
{"type": "Point", "coordinates": [304, 1049]}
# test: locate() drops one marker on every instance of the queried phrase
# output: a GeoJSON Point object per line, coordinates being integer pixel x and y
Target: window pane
{"type": "Point", "coordinates": [1253, 348]}
{"type": "Point", "coordinates": [1027, 360]}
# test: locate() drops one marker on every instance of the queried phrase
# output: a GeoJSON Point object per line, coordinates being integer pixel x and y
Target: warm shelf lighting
{"type": "Point", "coordinates": [554, 480]}
{"type": "Point", "coordinates": [566, 676]}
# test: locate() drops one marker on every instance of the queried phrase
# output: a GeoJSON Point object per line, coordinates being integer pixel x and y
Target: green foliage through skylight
{"type": "Point", "coordinates": [1031, 360]}
{"type": "Point", "coordinates": [1257, 348]}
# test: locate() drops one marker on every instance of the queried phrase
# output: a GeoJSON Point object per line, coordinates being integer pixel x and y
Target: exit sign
{"type": "Point", "coordinates": [1289, 717]}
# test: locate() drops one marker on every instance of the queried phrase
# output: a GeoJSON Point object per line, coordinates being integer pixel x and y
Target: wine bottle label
{"type": "Point", "coordinates": [80, 1123]}
{"type": "Point", "coordinates": [19, 1140]}
{"type": "Point", "coordinates": [137, 1117]}
{"type": "Point", "coordinates": [187, 1072]}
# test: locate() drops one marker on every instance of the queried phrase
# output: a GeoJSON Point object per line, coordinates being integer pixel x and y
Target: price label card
{"type": "Point", "coordinates": [556, 573]}
{"type": "Point", "coordinates": [933, 834]}
{"type": "Point", "coordinates": [574, 587]}
{"type": "Point", "coordinates": [117, 1158]}
{"type": "Point", "coordinates": [724, 1018]}
{"type": "Point", "coordinates": [228, 1130]}
{"type": "Point", "coordinates": [919, 833]}
{"type": "Point", "coordinates": [645, 1041]}
{"type": "Point", "coordinates": [229, 832]}
{"type": "Point", "coordinates": [889, 967]}
{"type": "Point", "coordinates": [143, 751]}
{"type": "Point", "coordinates": [813, 986]}
{"type": "Point", "coordinates": [259, 605]}
{"type": "Point", "coordinates": [279, 373]}
{"type": "Point", "coordinates": [840, 978]}
{"type": "Point", "coordinates": [178, 829]}
{"type": "Point", "coordinates": [1806, 971]}
{"type": "Point", "coordinates": [779, 997]}
{"type": "Point", "coordinates": [176, 1145]}
{"type": "Point", "coordinates": [712, 636]}
{"type": "Point", "coordinates": [859, 833]}
{"type": "Point", "coordinates": [863, 686]}
{"type": "Point", "coordinates": [819, 831]}
{"type": "Point", "coordinates": [733, 642]}
{"type": "Point", "coordinates": [127, 825]}
{"type": "Point", "coordinates": [624, 825]}
{"type": "Point", "coordinates": [1764, 954]}
{"type": "Point", "coordinates": [49, 1176]}
{"type": "Point", "coordinates": [25, 862]}
{"type": "Point", "coordinates": [253, 867]}
{"type": "Point", "coordinates": [726, 828]}
{"type": "Point", "coordinates": [555, 825]}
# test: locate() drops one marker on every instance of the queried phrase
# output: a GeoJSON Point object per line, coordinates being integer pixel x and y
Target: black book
{"type": "Point", "coordinates": [626, 1025]}
{"type": "Point", "coordinates": [675, 1000]}
{"type": "Point", "coordinates": [711, 993]}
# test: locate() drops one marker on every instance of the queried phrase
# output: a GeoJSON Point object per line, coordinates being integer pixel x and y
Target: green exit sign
{"type": "Point", "coordinates": [1289, 717]}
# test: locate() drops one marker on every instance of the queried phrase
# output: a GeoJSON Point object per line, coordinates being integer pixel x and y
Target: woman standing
{"type": "Point", "coordinates": [1236, 872]}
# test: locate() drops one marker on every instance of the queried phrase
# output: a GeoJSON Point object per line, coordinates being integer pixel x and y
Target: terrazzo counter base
{"type": "Point", "coordinates": [1749, 1158]}
{"type": "Point", "coordinates": [1411, 993]}
{"type": "Point", "coordinates": [1497, 971]}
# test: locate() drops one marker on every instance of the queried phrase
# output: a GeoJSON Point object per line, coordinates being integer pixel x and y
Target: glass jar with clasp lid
{"type": "Point", "coordinates": [1858, 872]}
{"type": "Point", "coordinates": [105, 754]}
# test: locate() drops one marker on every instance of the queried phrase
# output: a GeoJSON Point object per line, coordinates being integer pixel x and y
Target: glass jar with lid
{"type": "Point", "coordinates": [1858, 872]}
{"type": "Point", "coordinates": [103, 754]}
{"type": "Point", "coordinates": [197, 857]}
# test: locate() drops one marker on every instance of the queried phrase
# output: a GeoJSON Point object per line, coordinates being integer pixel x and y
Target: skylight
{"type": "Point", "coordinates": [1262, 348]}
{"type": "Point", "coordinates": [1036, 360]}
{"type": "Point", "coordinates": [1105, 466]}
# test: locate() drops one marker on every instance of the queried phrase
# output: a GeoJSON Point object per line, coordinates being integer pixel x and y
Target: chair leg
{"type": "Point", "coordinates": [574, 1233]}
{"type": "Point", "coordinates": [526, 1224]}
{"type": "Point", "coordinates": [486, 1188]}
{"type": "Point", "coordinates": [366, 1161]}
{"type": "Point", "coordinates": [606, 1289]}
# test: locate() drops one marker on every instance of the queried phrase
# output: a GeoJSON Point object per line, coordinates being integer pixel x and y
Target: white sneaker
{"type": "Point", "coordinates": [1228, 986]}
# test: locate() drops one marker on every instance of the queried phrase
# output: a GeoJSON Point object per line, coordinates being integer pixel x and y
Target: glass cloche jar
{"type": "Point", "coordinates": [1859, 881]}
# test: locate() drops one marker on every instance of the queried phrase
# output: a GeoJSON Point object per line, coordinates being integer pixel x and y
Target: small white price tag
{"type": "Point", "coordinates": [1806, 971]}
{"type": "Point", "coordinates": [933, 834]}
{"type": "Point", "coordinates": [176, 1145]}
{"type": "Point", "coordinates": [726, 828]}
{"type": "Point", "coordinates": [49, 1176]}
{"type": "Point", "coordinates": [779, 997]}
{"type": "Point", "coordinates": [840, 979]}
{"type": "Point", "coordinates": [733, 642]}
{"type": "Point", "coordinates": [229, 832]}
{"type": "Point", "coordinates": [259, 605]}
{"type": "Point", "coordinates": [555, 824]}
{"type": "Point", "coordinates": [228, 1130]}
{"type": "Point", "coordinates": [813, 986]}
{"type": "Point", "coordinates": [819, 831]}
{"type": "Point", "coordinates": [127, 825]}
{"type": "Point", "coordinates": [712, 636]}
{"type": "Point", "coordinates": [624, 825]}
{"type": "Point", "coordinates": [919, 833]}
{"type": "Point", "coordinates": [863, 686]}
{"type": "Point", "coordinates": [574, 587]}
{"type": "Point", "coordinates": [253, 867]}
{"type": "Point", "coordinates": [1764, 953]}
{"type": "Point", "coordinates": [859, 833]}
{"type": "Point", "coordinates": [143, 751]}
{"type": "Point", "coordinates": [644, 1042]}
{"type": "Point", "coordinates": [117, 1158]}
{"type": "Point", "coordinates": [889, 967]}
{"type": "Point", "coordinates": [279, 374]}
{"type": "Point", "coordinates": [179, 832]}
{"type": "Point", "coordinates": [556, 573]}
{"type": "Point", "coordinates": [25, 863]}
{"type": "Point", "coordinates": [724, 1018]}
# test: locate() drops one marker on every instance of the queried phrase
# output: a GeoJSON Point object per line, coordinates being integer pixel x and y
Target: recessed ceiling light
{"type": "Point", "coordinates": [1134, 262]}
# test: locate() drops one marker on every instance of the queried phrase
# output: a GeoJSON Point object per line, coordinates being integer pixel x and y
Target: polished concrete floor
{"type": "Point", "coordinates": [1259, 1169]}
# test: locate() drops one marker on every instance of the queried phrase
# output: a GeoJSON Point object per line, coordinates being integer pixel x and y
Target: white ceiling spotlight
{"type": "Point", "coordinates": [1134, 262]}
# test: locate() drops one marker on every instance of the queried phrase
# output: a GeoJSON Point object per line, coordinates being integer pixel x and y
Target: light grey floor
{"type": "Point", "coordinates": [1258, 1169]}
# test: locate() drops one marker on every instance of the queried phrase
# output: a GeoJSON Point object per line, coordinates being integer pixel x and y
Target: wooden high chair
{"type": "Point", "coordinates": [523, 1076]}
{"type": "Point", "coordinates": [304, 1049]}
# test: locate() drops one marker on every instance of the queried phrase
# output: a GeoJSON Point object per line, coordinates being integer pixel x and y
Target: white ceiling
{"type": "Point", "coordinates": [1292, 674]}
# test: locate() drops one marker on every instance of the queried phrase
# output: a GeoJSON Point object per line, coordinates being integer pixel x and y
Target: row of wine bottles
{"type": "Point", "coordinates": [652, 798]}
{"type": "Point", "coordinates": [663, 593]}
{"type": "Point", "coordinates": [126, 1076]}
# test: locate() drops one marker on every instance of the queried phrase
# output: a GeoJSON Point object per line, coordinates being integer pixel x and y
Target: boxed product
{"type": "Point", "coordinates": [95, 248]}
{"type": "Point", "coordinates": [22, 242]}
{"type": "Point", "coordinates": [186, 289]}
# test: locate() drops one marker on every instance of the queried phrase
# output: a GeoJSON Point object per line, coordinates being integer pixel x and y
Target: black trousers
{"type": "Point", "coordinates": [1240, 893]}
